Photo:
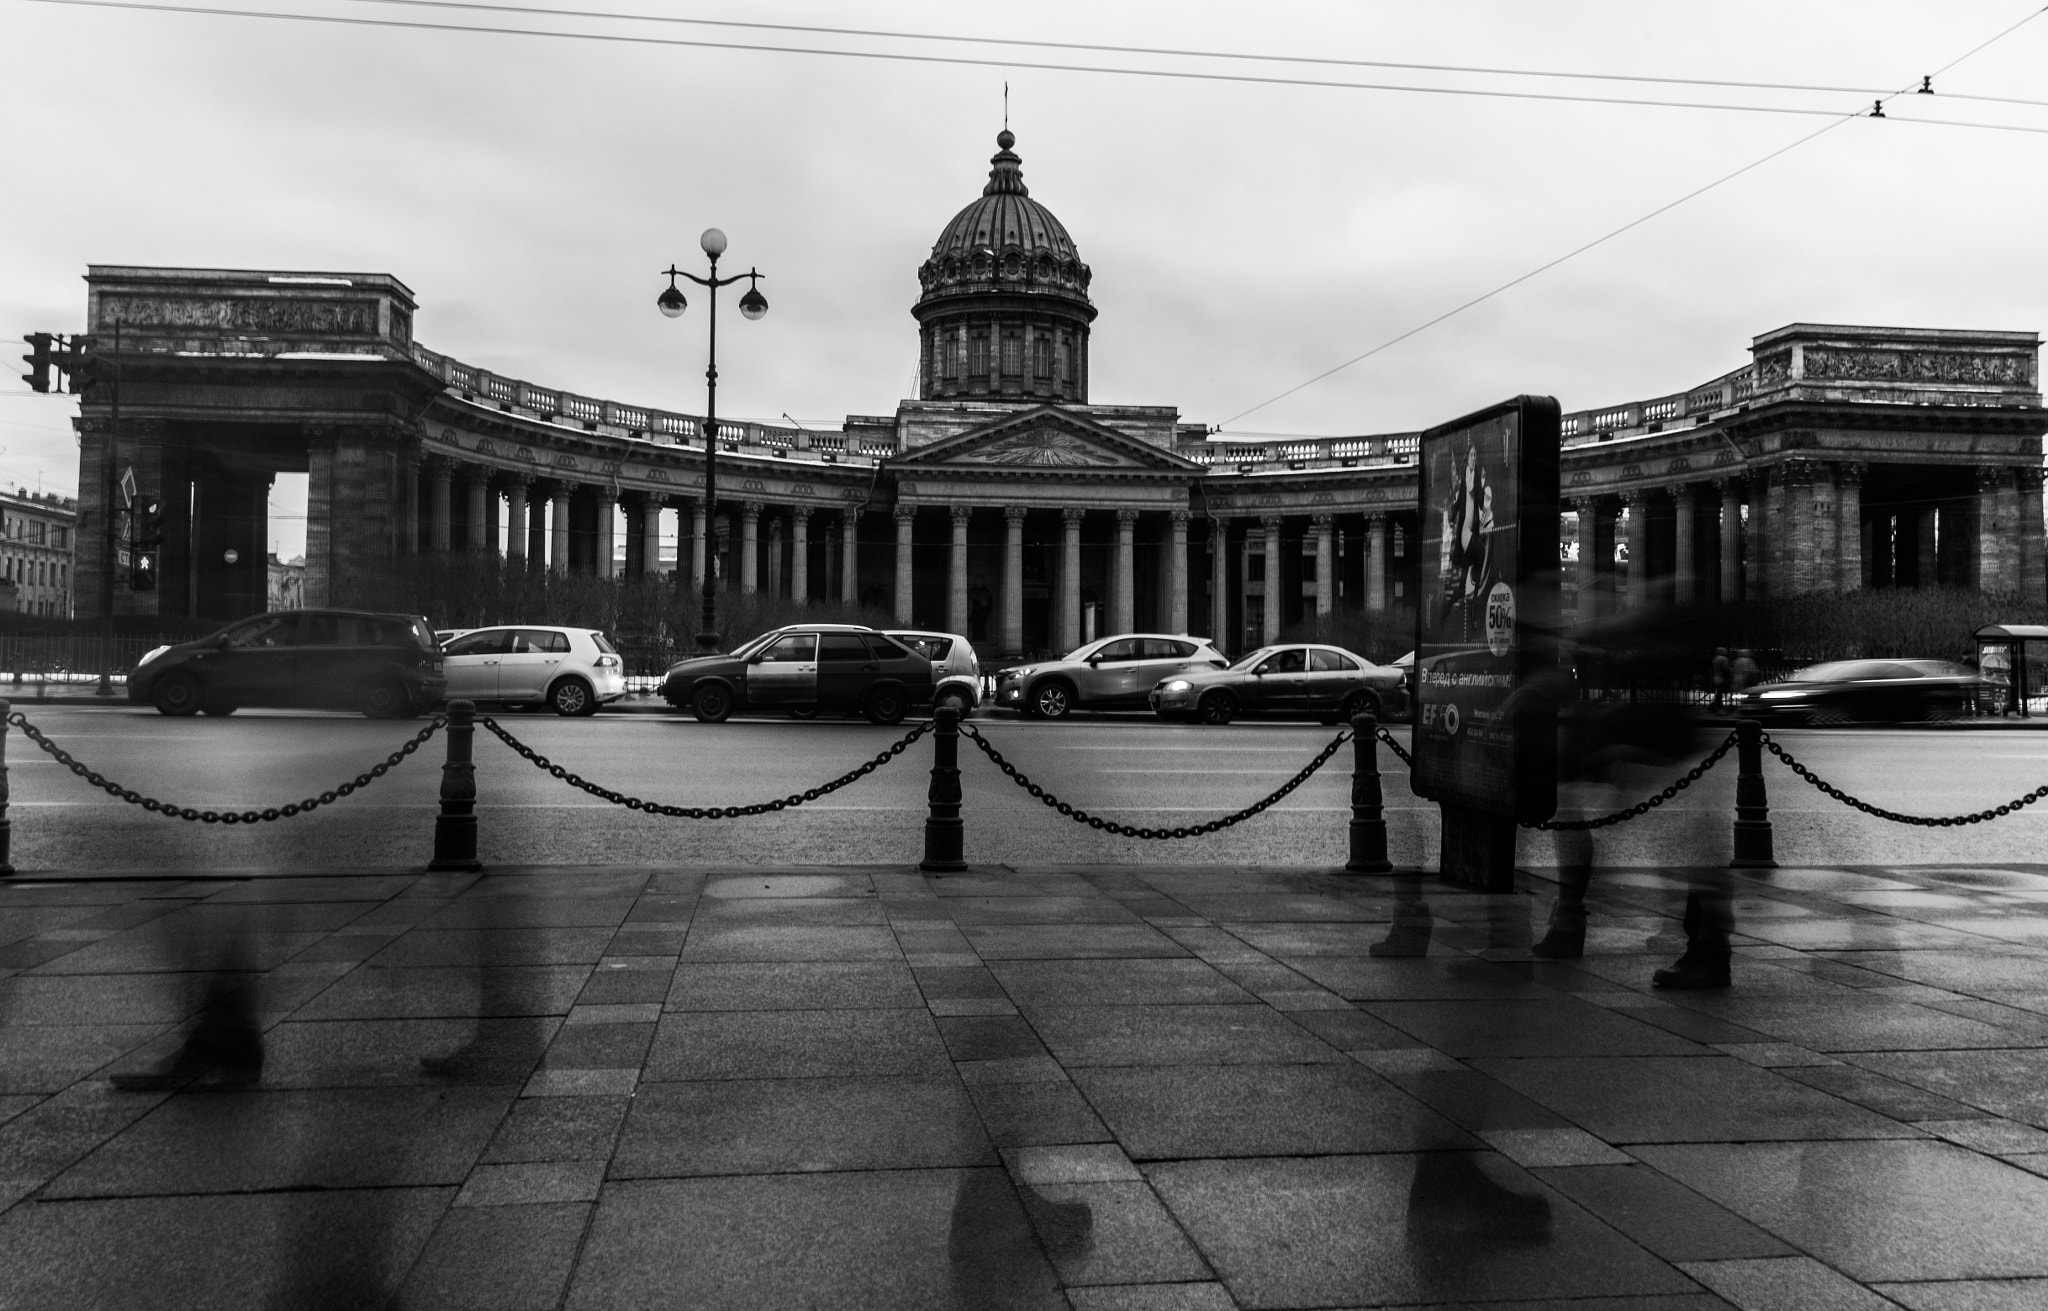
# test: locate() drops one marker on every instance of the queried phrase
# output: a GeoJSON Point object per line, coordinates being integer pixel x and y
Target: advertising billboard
{"type": "Point", "coordinates": [1486, 613]}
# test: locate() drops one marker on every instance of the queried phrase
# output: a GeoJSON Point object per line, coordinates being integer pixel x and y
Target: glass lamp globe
{"type": "Point", "coordinates": [753, 304]}
{"type": "Point", "coordinates": [713, 242]}
{"type": "Point", "coordinates": [671, 302]}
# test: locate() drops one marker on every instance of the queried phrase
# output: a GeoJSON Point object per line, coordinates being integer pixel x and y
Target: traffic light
{"type": "Point", "coordinates": [38, 361]}
{"type": "Point", "coordinates": [81, 367]}
{"type": "Point", "coordinates": [146, 523]}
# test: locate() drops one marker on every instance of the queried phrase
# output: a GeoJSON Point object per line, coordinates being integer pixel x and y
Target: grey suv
{"type": "Point", "coordinates": [1114, 673]}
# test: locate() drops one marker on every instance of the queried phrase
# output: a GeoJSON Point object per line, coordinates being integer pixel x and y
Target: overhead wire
{"type": "Point", "coordinates": [622, 38]}
{"type": "Point", "coordinates": [1626, 227]}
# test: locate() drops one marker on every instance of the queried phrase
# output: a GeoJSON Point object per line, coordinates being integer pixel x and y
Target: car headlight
{"type": "Point", "coordinates": [150, 655]}
{"type": "Point", "coordinates": [1779, 696]}
{"type": "Point", "coordinates": [1175, 685]}
{"type": "Point", "coordinates": [1026, 672]}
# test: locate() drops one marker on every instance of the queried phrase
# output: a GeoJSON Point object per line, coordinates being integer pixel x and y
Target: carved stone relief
{"type": "Point", "coordinates": [1041, 446]}
{"type": "Point", "coordinates": [1917, 366]}
{"type": "Point", "coordinates": [356, 318]}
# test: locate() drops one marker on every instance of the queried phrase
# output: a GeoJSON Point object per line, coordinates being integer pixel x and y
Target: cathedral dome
{"type": "Point", "coordinates": [1005, 307]}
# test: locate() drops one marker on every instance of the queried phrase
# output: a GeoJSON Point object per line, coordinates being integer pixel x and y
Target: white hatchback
{"type": "Point", "coordinates": [574, 670]}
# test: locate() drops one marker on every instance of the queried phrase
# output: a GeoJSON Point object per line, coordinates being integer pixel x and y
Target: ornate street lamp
{"type": "Point", "coordinates": [752, 306]}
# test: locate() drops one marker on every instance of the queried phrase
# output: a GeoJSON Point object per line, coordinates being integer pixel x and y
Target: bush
{"type": "Point", "coordinates": [1932, 623]}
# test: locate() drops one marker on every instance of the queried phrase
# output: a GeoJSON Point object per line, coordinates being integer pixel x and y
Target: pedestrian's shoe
{"type": "Point", "coordinates": [1566, 939]}
{"type": "Point", "coordinates": [1451, 1200]}
{"type": "Point", "coordinates": [1409, 937]}
{"type": "Point", "coordinates": [1693, 970]}
{"type": "Point", "coordinates": [232, 1064]}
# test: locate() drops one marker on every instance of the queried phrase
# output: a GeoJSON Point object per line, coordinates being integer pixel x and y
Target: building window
{"type": "Point", "coordinates": [1013, 358]}
{"type": "Point", "coordinates": [1043, 361]}
{"type": "Point", "coordinates": [977, 356]}
{"type": "Point", "coordinates": [1254, 568]}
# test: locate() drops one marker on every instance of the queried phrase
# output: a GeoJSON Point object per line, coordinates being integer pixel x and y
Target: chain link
{"type": "Point", "coordinates": [703, 812]}
{"type": "Point", "coordinates": [1643, 807]}
{"type": "Point", "coordinates": [1388, 738]}
{"type": "Point", "coordinates": [151, 804]}
{"type": "Point", "coordinates": [1080, 816]}
{"type": "Point", "coordinates": [1923, 821]}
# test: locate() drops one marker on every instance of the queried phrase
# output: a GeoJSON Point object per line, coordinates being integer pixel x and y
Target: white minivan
{"type": "Point", "coordinates": [574, 670]}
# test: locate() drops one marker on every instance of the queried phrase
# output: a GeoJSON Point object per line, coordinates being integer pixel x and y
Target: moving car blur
{"type": "Point", "coordinates": [1112, 673]}
{"type": "Point", "coordinates": [1326, 682]}
{"type": "Point", "coordinates": [1868, 691]}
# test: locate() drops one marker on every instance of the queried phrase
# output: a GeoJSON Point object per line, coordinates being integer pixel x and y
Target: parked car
{"type": "Point", "coordinates": [804, 669]}
{"type": "Point", "coordinates": [1849, 691]}
{"type": "Point", "coordinates": [1326, 682]}
{"type": "Point", "coordinates": [387, 666]}
{"type": "Point", "coordinates": [574, 670]}
{"type": "Point", "coordinates": [956, 673]}
{"type": "Point", "coordinates": [1113, 673]}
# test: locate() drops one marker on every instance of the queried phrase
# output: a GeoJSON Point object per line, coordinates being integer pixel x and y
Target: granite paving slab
{"type": "Point", "coordinates": [1175, 1035]}
{"type": "Point", "coordinates": [795, 1044]}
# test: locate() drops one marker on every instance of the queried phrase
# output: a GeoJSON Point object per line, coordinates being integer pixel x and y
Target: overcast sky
{"type": "Point", "coordinates": [1244, 236]}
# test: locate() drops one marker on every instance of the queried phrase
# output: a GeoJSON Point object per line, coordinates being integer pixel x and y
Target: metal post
{"type": "Point", "coordinates": [1752, 809]}
{"type": "Point", "coordinates": [1368, 814]}
{"type": "Point", "coordinates": [455, 826]}
{"type": "Point", "coordinates": [944, 834]}
{"type": "Point", "coordinates": [6, 824]}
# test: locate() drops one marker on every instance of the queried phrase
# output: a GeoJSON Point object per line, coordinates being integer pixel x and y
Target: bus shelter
{"type": "Point", "coordinates": [2013, 659]}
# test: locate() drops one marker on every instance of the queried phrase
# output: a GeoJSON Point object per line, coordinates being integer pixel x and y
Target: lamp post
{"type": "Point", "coordinates": [752, 306]}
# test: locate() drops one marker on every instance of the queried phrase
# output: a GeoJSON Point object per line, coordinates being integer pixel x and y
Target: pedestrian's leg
{"type": "Point", "coordinates": [1709, 919]}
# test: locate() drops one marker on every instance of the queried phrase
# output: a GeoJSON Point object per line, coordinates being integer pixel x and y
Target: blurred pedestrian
{"type": "Point", "coordinates": [1745, 671]}
{"type": "Point", "coordinates": [1722, 677]}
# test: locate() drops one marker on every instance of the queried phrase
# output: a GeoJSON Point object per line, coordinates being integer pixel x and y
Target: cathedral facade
{"type": "Point", "coordinates": [1004, 501]}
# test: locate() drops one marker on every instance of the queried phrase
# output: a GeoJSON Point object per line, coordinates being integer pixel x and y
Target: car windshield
{"type": "Point", "coordinates": [753, 644]}
{"type": "Point", "coordinates": [1842, 671]}
{"type": "Point", "coordinates": [1247, 661]}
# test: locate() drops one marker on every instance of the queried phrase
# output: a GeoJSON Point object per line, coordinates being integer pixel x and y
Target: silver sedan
{"type": "Point", "coordinates": [1325, 682]}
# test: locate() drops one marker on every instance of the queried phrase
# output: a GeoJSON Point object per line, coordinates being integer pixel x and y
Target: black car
{"type": "Point", "coordinates": [386, 666]}
{"type": "Point", "coordinates": [803, 669]}
{"type": "Point", "coordinates": [1849, 691]}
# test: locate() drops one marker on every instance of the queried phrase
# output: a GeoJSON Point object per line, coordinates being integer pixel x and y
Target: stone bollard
{"type": "Point", "coordinates": [6, 824]}
{"type": "Point", "coordinates": [944, 834]}
{"type": "Point", "coordinates": [455, 827]}
{"type": "Point", "coordinates": [1368, 813]}
{"type": "Point", "coordinates": [1752, 808]}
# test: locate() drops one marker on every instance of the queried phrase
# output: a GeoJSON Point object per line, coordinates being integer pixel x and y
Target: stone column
{"type": "Point", "coordinates": [1376, 563]}
{"type": "Point", "coordinates": [1685, 569]}
{"type": "Point", "coordinates": [558, 530]}
{"type": "Point", "coordinates": [1321, 526]}
{"type": "Point", "coordinates": [478, 485]}
{"type": "Point", "coordinates": [1995, 530]}
{"type": "Point", "coordinates": [750, 546]}
{"type": "Point", "coordinates": [1851, 569]}
{"type": "Point", "coordinates": [1219, 585]}
{"type": "Point", "coordinates": [607, 529]}
{"type": "Point", "coordinates": [800, 555]}
{"type": "Point", "coordinates": [409, 500]}
{"type": "Point", "coordinates": [849, 557]}
{"type": "Point", "coordinates": [537, 525]}
{"type": "Point", "coordinates": [1124, 617]}
{"type": "Point", "coordinates": [1814, 567]}
{"type": "Point", "coordinates": [1638, 504]}
{"type": "Point", "coordinates": [1731, 540]}
{"type": "Point", "coordinates": [1176, 573]}
{"type": "Point", "coordinates": [1013, 580]}
{"type": "Point", "coordinates": [1070, 578]}
{"type": "Point", "coordinates": [2033, 569]}
{"type": "Point", "coordinates": [956, 570]}
{"type": "Point", "coordinates": [515, 517]}
{"type": "Point", "coordinates": [699, 530]}
{"type": "Point", "coordinates": [650, 534]}
{"type": "Point", "coordinates": [1756, 547]}
{"type": "Point", "coordinates": [906, 574]}
{"type": "Point", "coordinates": [1271, 524]}
{"type": "Point", "coordinates": [775, 555]}
{"type": "Point", "coordinates": [1588, 510]}
{"type": "Point", "coordinates": [440, 474]}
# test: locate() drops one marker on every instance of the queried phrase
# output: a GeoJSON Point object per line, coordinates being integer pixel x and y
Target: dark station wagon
{"type": "Point", "coordinates": [385, 666]}
{"type": "Point", "coordinates": [804, 669]}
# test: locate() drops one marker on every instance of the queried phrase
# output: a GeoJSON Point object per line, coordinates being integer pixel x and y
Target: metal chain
{"type": "Point", "coordinates": [1641, 807]}
{"type": "Point", "coordinates": [702, 812]}
{"type": "Point", "coordinates": [1388, 738]}
{"type": "Point", "coordinates": [1924, 821]}
{"type": "Point", "coordinates": [1124, 830]}
{"type": "Point", "coordinates": [151, 804]}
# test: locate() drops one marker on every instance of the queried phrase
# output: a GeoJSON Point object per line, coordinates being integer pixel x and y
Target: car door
{"type": "Point", "coordinates": [1161, 658]}
{"type": "Point", "coordinates": [785, 673]}
{"type": "Point", "coordinates": [470, 663]}
{"type": "Point", "coordinates": [1332, 676]}
{"type": "Point", "coordinates": [894, 659]}
{"type": "Point", "coordinates": [525, 671]}
{"type": "Point", "coordinates": [256, 664]}
{"type": "Point", "coordinates": [1110, 674]}
{"type": "Point", "coordinates": [1279, 683]}
{"type": "Point", "coordinates": [845, 667]}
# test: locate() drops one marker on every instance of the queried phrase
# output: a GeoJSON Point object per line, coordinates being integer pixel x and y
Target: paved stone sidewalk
{"type": "Point", "coordinates": [1104, 1089]}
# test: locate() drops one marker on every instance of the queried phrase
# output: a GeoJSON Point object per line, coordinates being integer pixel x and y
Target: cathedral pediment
{"type": "Point", "coordinates": [1045, 438]}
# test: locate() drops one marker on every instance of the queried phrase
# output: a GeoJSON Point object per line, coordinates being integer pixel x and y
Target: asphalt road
{"type": "Point", "coordinates": [1128, 768]}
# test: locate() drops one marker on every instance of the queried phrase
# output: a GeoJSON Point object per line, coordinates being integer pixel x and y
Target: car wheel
{"type": "Point", "coordinates": [383, 699]}
{"type": "Point", "coordinates": [1942, 709]}
{"type": "Point", "coordinates": [1357, 703]}
{"type": "Point", "coordinates": [711, 703]}
{"type": "Point", "coordinates": [177, 694]}
{"type": "Point", "coordinates": [956, 702]}
{"type": "Point", "coordinates": [1052, 699]}
{"type": "Point", "coordinates": [886, 705]}
{"type": "Point", "coordinates": [218, 706]}
{"type": "Point", "coordinates": [1217, 708]}
{"type": "Point", "coordinates": [572, 696]}
{"type": "Point", "coordinates": [803, 712]}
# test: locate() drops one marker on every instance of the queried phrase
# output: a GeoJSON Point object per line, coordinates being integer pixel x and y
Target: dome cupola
{"type": "Point", "coordinates": [1004, 312]}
